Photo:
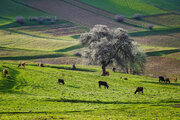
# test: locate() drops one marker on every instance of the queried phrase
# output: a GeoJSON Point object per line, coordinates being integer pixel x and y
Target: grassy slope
{"type": "Point", "coordinates": [165, 4]}
{"type": "Point", "coordinates": [33, 93]}
{"type": "Point", "coordinates": [127, 7]}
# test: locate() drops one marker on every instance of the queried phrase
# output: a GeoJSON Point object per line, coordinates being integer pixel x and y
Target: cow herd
{"type": "Point", "coordinates": [101, 83]}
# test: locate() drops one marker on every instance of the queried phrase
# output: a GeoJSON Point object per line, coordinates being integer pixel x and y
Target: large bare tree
{"type": "Point", "coordinates": [105, 46]}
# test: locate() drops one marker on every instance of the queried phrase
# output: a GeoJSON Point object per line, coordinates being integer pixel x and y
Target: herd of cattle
{"type": "Point", "coordinates": [101, 83]}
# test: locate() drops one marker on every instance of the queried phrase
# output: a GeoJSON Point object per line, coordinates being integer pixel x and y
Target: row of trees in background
{"type": "Point", "coordinates": [121, 18]}
{"type": "Point", "coordinates": [106, 46]}
{"type": "Point", "coordinates": [40, 20]}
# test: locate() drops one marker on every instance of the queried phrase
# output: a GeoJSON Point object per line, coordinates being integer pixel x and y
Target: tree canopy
{"type": "Point", "coordinates": [105, 46]}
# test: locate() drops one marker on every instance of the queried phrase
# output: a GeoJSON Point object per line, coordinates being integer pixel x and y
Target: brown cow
{"type": "Point", "coordinates": [5, 72]}
{"type": "Point", "coordinates": [106, 73]}
{"type": "Point", "coordinates": [73, 66]}
{"type": "Point", "coordinates": [175, 79]}
{"type": "Point", "coordinates": [104, 84]}
{"type": "Point", "coordinates": [61, 81]}
{"type": "Point", "coordinates": [41, 65]}
{"type": "Point", "coordinates": [167, 80]}
{"type": "Point", "coordinates": [139, 89]}
{"type": "Point", "coordinates": [22, 64]}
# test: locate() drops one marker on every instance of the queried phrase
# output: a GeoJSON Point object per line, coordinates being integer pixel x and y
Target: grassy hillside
{"type": "Point", "coordinates": [33, 93]}
{"type": "Point", "coordinates": [172, 5]}
{"type": "Point", "coordinates": [126, 7]}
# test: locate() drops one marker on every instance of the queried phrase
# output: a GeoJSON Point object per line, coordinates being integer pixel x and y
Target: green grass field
{"type": "Point", "coordinates": [33, 93]}
{"type": "Point", "coordinates": [125, 7]}
{"type": "Point", "coordinates": [172, 5]}
{"type": "Point", "coordinates": [10, 9]}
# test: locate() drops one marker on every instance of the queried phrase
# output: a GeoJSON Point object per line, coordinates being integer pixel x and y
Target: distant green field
{"type": "Point", "coordinates": [171, 20]}
{"type": "Point", "coordinates": [13, 8]}
{"type": "Point", "coordinates": [125, 7]}
{"type": "Point", "coordinates": [15, 40]}
{"type": "Point", "coordinates": [165, 4]}
{"type": "Point", "coordinates": [33, 93]}
{"type": "Point", "coordinates": [10, 9]}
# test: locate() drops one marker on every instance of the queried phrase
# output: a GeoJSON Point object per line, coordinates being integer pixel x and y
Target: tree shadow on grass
{"type": "Point", "coordinates": [8, 83]}
{"type": "Point", "coordinates": [46, 112]}
{"type": "Point", "coordinates": [155, 32]}
{"type": "Point", "coordinates": [32, 57]}
{"type": "Point", "coordinates": [94, 102]}
{"type": "Point", "coordinates": [161, 83]}
{"type": "Point", "coordinates": [70, 48]}
{"type": "Point", "coordinates": [70, 68]}
{"type": "Point", "coordinates": [73, 86]}
{"type": "Point", "coordinates": [163, 52]}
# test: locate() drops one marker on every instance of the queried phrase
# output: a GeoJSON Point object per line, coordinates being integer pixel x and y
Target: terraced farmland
{"type": "Point", "coordinates": [33, 93]}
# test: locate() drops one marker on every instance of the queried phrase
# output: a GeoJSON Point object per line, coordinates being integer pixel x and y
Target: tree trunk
{"type": "Point", "coordinates": [103, 70]}
{"type": "Point", "coordinates": [127, 70]}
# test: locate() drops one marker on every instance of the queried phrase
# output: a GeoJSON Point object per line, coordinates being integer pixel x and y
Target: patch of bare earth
{"type": "Point", "coordinates": [76, 14]}
{"type": "Point", "coordinates": [164, 66]}
{"type": "Point", "coordinates": [168, 40]}
{"type": "Point", "coordinates": [61, 60]}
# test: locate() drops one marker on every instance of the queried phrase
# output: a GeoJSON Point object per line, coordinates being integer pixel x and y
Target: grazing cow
{"type": "Point", "coordinates": [175, 79]}
{"type": "Point", "coordinates": [161, 78]}
{"type": "Point", "coordinates": [139, 89]}
{"type": "Point", "coordinates": [104, 84]}
{"type": "Point", "coordinates": [114, 69]}
{"type": "Point", "coordinates": [125, 78]}
{"type": "Point", "coordinates": [22, 64]}
{"type": "Point", "coordinates": [61, 81]}
{"type": "Point", "coordinates": [5, 72]}
{"type": "Point", "coordinates": [106, 73]}
{"type": "Point", "coordinates": [41, 65]}
{"type": "Point", "coordinates": [73, 66]}
{"type": "Point", "coordinates": [167, 80]}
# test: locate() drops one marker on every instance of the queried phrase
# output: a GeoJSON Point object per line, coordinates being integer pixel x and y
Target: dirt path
{"type": "Point", "coordinates": [72, 12]}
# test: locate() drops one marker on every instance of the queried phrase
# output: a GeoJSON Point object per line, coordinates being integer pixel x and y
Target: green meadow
{"type": "Point", "coordinates": [125, 7]}
{"type": "Point", "coordinates": [34, 93]}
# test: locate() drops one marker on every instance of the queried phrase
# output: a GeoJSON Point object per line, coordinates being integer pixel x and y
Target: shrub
{"type": "Point", "coordinates": [30, 18]}
{"type": "Point", "coordinates": [78, 54]}
{"type": "Point", "coordinates": [48, 18]}
{"type": "Point", "coordinates": [55, 18]}
{"type": "Point", "coordinates": [119, 18]}
{"type": "Point", "coordinates": [137, 16]}
{"type": "Point", "coordinates": [150, 26]}
{"type": "Point", "coordinates": [52, 21]}
{"type": "Point", "coordinates": [41, 20]}
{"type": "Point", "coordinates": [34, 19]}
{"type": "Point", "coordinates": [20, 19]}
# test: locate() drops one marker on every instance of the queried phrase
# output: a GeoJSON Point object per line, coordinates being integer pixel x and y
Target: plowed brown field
{"type": "Point", "coordinates": [77, 14]}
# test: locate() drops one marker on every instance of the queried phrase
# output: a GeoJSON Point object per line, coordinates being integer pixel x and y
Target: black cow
{"type": "Point", "coordinates": [114, 69]}
{"type": "Point", "coordinates": [161, 78]}
{"type": "Point", "coordinates": [61, 81]}
{"type": "Point", "coordinates": [104, 84]}
{"type": "Point", "coordinates": [139, 89]}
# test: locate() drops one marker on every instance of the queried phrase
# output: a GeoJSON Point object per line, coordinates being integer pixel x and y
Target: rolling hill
{"type": "Point", "coordinates": [34, 92]}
